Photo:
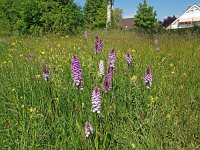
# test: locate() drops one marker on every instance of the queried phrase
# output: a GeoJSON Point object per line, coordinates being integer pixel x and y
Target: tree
{"type": "Point", "coordinates": [109, 12]}
{"type": "Point", "coordinates": [9, 14]}
{"type": "Point", "coordinates": [100, 20]}
{"type": "Point", "coordinates": [95, 13]}
{"type": "Point", "coordinates": [167, 21]}
{"type": "Point", "coordinates": [116, 16]}
{"type": "Point", "coordinates": [145, 16]}
{"type": "Point", "coordinates": [44, 16]}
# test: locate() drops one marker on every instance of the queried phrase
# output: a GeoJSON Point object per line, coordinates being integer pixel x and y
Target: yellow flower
{"type": "Point", "coordinates": [83, 105]}
{"type": "Point", "coordinates": [13, 44]}
{"type": "Point", "coordinates": [173, 72]}
{"type": "Point", "coordinates": [168, 116]}
{"type": "Point", "coordinates": [134, 78]}
{"type": "Point", "coordinates": [171, 65]}
{"type": "Point", "coordinates": [21, 55]}
{"type": "Point", "coordinates": [133, 51]}
{"type": "Point", "coordinates": [32, 110]}
{"type": "Point", "coordinates": [38, 76]}
{"type": "Point", "coordinates": [42, 52]}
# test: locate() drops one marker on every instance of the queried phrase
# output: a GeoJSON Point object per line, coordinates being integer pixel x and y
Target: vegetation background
{"type": "Point", "coordinates": [40, 114]}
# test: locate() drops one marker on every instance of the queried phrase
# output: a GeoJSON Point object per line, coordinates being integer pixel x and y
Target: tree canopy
{"type": "Point", "coordinates": [145, 16]}
{"type": "Point", "coordinates": [95, 13]}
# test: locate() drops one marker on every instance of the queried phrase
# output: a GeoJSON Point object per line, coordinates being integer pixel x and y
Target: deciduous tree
{"type": "Point", "coordinates": [145, 17]}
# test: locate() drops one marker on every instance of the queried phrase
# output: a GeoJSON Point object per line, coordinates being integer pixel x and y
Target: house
{"type": "Point", "coordinates": [126, 23]}
{"type": "Point", "coordinates": [190, 18]}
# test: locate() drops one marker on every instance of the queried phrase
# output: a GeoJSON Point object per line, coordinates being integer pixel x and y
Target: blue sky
{"type": "Point", "coordinates": [163, 8]}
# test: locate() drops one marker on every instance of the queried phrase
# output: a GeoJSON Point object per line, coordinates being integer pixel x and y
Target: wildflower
{"type": "Point", "coordinates": [96, 103]}
{"type": "Point", "coordinates": [13, 44]}
{"type": "Point", "coordinates": [98, 45]}
{"type": "Point", "coordinates": [32, 110]}
{"type": "Point", "coordinates": [128, 58]}
{"type": "Point", "coordinates": [112, 58]}
{"type": "Point", "coordinates": [133, 51]}
{"type": "Point", "coordinates": [42, 52]}
{"type": "Point", "coordinates": [37, 76]}
{"type": "Point", "coordinates": [101, 67]}
{"type": "Point", "coordinates": [158, 48]}
{"type": "Point", "coordinates": [88, 129]}
{"type": "Point", "coordinates": [107, 81]}
{"type": "Point", "coordinates": [148, 77]}
{"type": "Point", "coordinates": [76, 72]}
{"type": "Point", "coordinates": [85, 34]}
{"type": "Point", "coordinates": [156, 41]}
{"type": "Point", "coordinates": [134, 78]}
{"type": "Point", "coordinates": [45, 72]}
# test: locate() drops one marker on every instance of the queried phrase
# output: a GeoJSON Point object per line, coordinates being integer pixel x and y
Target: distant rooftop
{"type": "Point", "coordinates": [127, 23]}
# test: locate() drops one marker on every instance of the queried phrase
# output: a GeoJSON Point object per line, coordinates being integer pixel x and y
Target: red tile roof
{"type": "Point", "coordinates": [127, 23]}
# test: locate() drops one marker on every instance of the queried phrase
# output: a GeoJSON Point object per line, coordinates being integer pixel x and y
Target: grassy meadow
{"type": "Point", "coordinates": [39, 114]}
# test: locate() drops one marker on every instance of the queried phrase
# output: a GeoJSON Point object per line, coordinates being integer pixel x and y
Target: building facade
{"type": "Point", "coordinates": [190, 18]}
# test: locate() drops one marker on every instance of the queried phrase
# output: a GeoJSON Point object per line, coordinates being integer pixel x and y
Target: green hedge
{"type": "Point", "coordinates": [38, 17]}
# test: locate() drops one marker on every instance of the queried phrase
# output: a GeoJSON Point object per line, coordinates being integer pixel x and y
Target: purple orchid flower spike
{"type": "Point", "coordinates": [88, 129]}
{"type": "Point", "coordinates": [96, 102]}
{"type": "Point", "coordinates": [128, 58]}
{"type": "Point", "coordinates": [85, 34]}
{"type": "Point", "coordinates": [112, 58]}
{"type": "Point", "coordinates": [98, 45]}
{"type": "Point", "coordinates": [148, 78]}
{"type": "Point", "coordinates": [156, 41]}
{"type": "Point", "coordinates": [107, 84]}
{"type": "Point", "coordinates": [156, 44]}
{"type": "Point", "coordinates": [45, 72]}
{"type": "Point", "coordinates": [76, 72]}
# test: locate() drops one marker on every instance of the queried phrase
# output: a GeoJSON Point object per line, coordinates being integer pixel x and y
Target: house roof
{"type": "Point", "coordinates": [127, 23]}
{"type": "Point", "coordinates": [189, 7]}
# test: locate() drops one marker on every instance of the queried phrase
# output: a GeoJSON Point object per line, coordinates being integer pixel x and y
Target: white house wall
{"type": "Point", "coordinates": [193, 13]}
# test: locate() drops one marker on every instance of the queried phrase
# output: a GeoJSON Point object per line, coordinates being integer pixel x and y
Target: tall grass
{"type": "Point", "coordinates": [40, 114]}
